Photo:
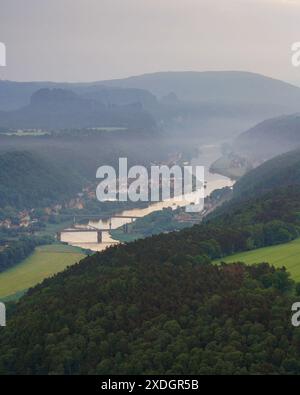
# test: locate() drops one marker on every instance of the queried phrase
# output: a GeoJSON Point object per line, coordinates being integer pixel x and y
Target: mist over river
{"type": "Point", "coordinates": [207, 155]}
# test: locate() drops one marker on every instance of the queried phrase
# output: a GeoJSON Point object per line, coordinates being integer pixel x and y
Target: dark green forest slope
{"type": "Point", "coordinates": [283, 170]}
{"type": "Point", "coordinates": [159, 306]}
{"type": "Point", "coordinates": [28, 180]}
{"type": "Point", "coordinates": [150, 317]}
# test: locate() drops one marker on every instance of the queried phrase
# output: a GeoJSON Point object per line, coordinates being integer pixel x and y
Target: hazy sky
{"type": "Point", "coordinates": [86, 40]}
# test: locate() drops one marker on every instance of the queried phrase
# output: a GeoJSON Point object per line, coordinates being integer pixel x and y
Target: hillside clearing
{"type": "Point", "coordinates": [44, 262]}
{"type": "Point", "coordinates": [287, 255]}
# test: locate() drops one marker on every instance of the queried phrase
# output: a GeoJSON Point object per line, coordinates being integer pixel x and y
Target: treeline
{"type": "Point", "coordinates": [262, 221]}
{"type": "Point", "coordinates": [17, 251]}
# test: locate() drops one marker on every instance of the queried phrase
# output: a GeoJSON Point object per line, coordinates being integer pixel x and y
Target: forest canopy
{"type": "Point", "coordinates": [158, 305]}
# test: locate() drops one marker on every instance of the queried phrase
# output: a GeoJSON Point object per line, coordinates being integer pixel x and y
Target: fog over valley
{"type": "Point", "coordinates": [149, 190]}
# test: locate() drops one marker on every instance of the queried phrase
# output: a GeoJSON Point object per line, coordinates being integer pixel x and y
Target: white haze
{"type": "Point", "coordinates": [67, 40]}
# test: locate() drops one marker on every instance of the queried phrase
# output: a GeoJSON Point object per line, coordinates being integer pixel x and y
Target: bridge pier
{"type": "Point", "coordinates": [99, 236]}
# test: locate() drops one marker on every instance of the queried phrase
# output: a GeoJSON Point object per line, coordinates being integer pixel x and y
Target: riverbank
{"type": "Point", "coordinates": [207, 155]}
{"type": "Point", "coordinates": [49, 260]}
{"type": "Point", "coordinates": [231, 166]}
{"type": "Point", "coordinates": [168, 220]}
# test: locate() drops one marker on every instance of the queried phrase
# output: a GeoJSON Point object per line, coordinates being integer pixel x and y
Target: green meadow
{"type": "Point", "coordinates": [44, 262]}
{"type": "Point", "coordinates": [287, 255]}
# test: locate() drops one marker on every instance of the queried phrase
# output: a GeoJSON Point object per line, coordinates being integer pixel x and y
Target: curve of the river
{"type": "Point", "coordinates": [89, 240]}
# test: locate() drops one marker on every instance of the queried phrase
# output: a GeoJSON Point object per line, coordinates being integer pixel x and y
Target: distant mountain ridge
{"type": "Point", "coordinates": [262, 95]}
{"type": "Point", "coordinates": [61, 108]}
{"type": "Point", "coordinates": [219, 86]}
{"type": "Point", "coordinates": [205, 85]}
{"type": "Point", "coordinates": [14, 95]}
{"type": "Point", "coordinates": [269, 138]}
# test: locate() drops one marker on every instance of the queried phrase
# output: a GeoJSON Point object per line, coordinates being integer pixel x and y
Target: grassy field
{"type": "Point", "coordinates": [287, 255]}
{"type": "Point", "coordinates": [44, 262]}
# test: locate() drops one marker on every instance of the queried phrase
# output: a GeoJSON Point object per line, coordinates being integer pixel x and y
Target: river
{"type": "Point", "coordinates": [209, 153]}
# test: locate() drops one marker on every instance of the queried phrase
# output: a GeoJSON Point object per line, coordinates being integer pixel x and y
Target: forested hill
{"type": "Point", "coordinates": [203, 104]}
{"type": "Point", "coordinates": [280, 171]}
{"type": "Point", "coordinates": [217, 86]}
{"type": "Point", "coordinates": [269, 138]}
{"type": "Point", "coordinates": [159, 306]}
{"type": "Point", "coordinates": [28, 180]}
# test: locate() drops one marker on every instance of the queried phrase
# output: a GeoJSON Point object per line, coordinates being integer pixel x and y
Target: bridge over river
{"type": "Point", "coordinates": [93, 229]}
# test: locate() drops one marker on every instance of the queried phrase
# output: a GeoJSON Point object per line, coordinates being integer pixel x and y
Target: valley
{"type": "Point", "coordinates": [149, 192]}
{"type": "Point", "coordinates": [138, 287]}
{"type": "Point", "coordinates": [29, 273]}
{"type": "Point", "coordinates": [213, 182]}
